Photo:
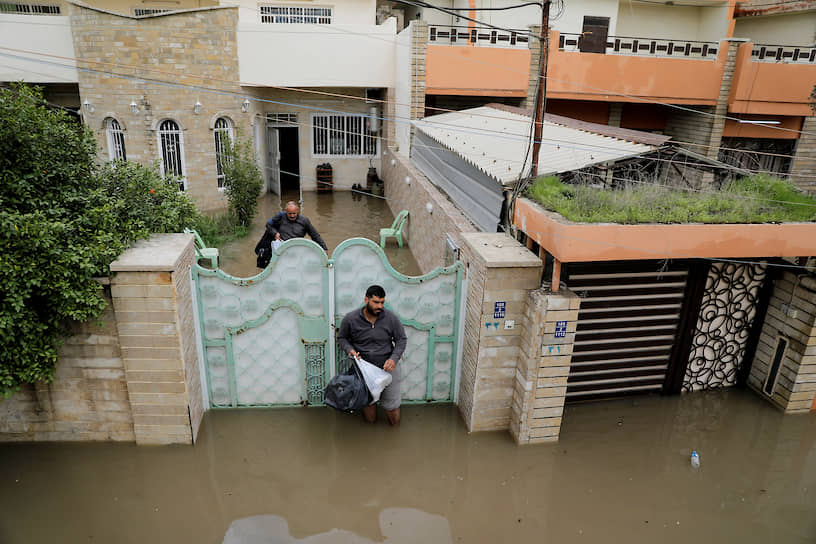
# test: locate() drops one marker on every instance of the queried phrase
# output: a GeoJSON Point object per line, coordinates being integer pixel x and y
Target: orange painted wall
{"type": "Point", "coordinates": [583, 242]}
{"type": "Point", "coordinates": [734, 129]}
{"type": "Point", "coordinates": [476, 71]}
{"type": "Point", "coordinates": [770, 88]}
{"type": "Point", "coordinates": [595, 76]}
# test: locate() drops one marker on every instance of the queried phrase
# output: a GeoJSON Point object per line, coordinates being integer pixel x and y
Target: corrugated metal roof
{"type": "Point", "coordinates": [496, 140]}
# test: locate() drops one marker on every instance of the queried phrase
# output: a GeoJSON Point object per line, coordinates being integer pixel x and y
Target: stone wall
{"type": "Point", "coordinates": [193, 48]}
{"type": "Point", "coordinates": [499, 270]}
{"type": "Point", "coordinates": [803, 167]}
{"type": "Point", "coordinates": [543, 366]}
{"type": "Point", "coordinates": [425, 231]}
{"type": "Point", "coordinates": [791, 316]}
{"type": "Point", "coordinates": [88, 399]}
{"type": "Point", "coordinates": [132, 375]}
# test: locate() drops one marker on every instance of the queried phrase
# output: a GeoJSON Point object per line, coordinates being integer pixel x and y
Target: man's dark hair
{"type": "Point", "coordinates": [375, 291]}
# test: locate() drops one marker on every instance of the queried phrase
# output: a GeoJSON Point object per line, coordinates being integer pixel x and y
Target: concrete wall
{"type": "Point", "coordinates": [789, 29]}
{"type": "Point", "coordinates": [335, 55]}
{"type": "Point", "coordinates": [499, 269]}
{"type": "Point", "coordinates": [47, 35]}
{"type": "Point", "coordinates": [131, 376]}
{"type": "Point", "coordinates": [670, 22]}
{"type": "Point", "coordinates": [425, 231]}
{"type": "Point", "coordinates": [88, 399]}
{"type": "Point", "coordinates": [187, 49]}
{"type": "Point", "coordinates": [792, 316]}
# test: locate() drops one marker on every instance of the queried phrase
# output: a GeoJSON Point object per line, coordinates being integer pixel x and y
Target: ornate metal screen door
{"type": "Point", "coordinates": [266, 339]}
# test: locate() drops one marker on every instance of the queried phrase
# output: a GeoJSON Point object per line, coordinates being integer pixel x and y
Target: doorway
{"type": "Point", "coordinates": [283, 152]}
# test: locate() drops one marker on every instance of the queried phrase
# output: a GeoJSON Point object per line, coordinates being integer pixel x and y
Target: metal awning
{"type": "Point", "coordinates": [495, 139]}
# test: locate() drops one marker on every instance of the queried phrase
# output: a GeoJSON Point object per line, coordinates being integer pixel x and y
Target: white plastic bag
{"type": "Point", "coordinates": [375, 377]}
{"type": "Point", "coordinates": [276, 244]}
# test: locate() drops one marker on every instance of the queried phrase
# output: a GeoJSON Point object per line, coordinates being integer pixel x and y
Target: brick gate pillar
{"type": "Point", "coordinates": [152, 298]}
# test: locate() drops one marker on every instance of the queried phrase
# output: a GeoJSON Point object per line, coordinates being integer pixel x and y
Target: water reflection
{"type": "Point", "coordinates": [337, 216]}
{"type": "Point", "coordinates": [397, 525]}
{"type": "Point", "coordinates": [620, 473]}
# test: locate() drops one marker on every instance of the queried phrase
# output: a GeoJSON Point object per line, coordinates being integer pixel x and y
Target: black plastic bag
{"type": "Point", "coordinates": [348, 391]}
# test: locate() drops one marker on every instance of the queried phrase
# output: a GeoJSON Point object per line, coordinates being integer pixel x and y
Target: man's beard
{"type": "Point", "coordinates": [372, 310]}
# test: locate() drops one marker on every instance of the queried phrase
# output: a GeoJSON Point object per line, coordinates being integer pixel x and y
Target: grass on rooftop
{"type": "Point", "coordinates": [756, 199]}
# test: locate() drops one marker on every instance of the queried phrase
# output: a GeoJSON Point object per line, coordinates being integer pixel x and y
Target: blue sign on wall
{"type": "Point", "coordinates": [560, 329]}
{"type": "Point", "coordinates": [498, 310]}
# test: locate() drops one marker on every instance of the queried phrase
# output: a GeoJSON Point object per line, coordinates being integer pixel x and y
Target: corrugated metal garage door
{"type": "Point", "coordinates": [627, 326]}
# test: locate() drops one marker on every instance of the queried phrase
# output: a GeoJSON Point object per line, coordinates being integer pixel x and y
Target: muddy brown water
{"type": "Point", "coordinates": [620, 473]}
{"type": "Point", "coordinates": [337, 216]}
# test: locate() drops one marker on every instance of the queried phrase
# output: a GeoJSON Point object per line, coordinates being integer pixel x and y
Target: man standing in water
{"type": "Point", "coordinates": [290, 224]}
{"type": "Point", "coordinates": [376, 335]}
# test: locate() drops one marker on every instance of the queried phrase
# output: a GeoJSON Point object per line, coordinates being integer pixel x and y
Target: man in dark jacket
{"type": "Point", "coordinates": [285, 225]}
{"type": "Point", "coordinates": [376, 335]}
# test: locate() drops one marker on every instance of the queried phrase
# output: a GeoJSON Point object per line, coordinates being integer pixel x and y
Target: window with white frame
{"type": "Point", "coordinates": [280, 14]}
{"type": "Point", "coordinates": [223, 132]}
{"type": "Point", "coordinates": [342, 136]}
{"type": "Point", "coordinates": [116, 140]}
{"type": "Point", "coordinates": [171, 144]}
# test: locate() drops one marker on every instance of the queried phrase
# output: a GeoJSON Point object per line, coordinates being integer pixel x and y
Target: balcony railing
{"type": "Point", "coordinates": [783, 53]}
{"type": "Point", "coordinates": [647, 47]}
{"type": "Point", "coordinates": [480, 36]}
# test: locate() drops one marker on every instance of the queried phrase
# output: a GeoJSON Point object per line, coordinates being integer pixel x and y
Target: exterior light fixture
{"type": "Point", "coordinates": [393, 162]}
{"type": "Point", "coordinates": [134, 107]}
{"type": "Point", "coordinates": [88, 106]}
{"type": "Point", "coordinates": [768, 122]}
{"type": "Point", "coordinates": [407, 180]}
{"type": "Point", "coordinates": [245, 105]}
{"type": "Point", "coordinates": [429, 207]}
{"type": "Point", "coordinates": [197, 107]}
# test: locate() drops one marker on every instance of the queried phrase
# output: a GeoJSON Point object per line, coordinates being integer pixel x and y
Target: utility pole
{"type": "Point", "coordinates": [541, 92]}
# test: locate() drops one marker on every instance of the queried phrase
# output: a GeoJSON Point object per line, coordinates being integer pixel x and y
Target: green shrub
{"type": "Point", "coordinates": [62, 221]}
{"type": "Point", "coordinates": [242, 180]}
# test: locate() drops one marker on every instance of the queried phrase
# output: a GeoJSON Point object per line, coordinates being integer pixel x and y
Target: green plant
{"type": "Point", "coordinates": [62, 221]}
{"type": "Point", "coordinates": [756, 199]}
{"type": "Point", "coordinates": [242, 179]}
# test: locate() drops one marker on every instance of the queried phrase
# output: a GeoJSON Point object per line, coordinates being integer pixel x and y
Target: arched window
{"type": "Point", "coordinates": [116, 140]}
{"type": "Point", "coordinates": [222, 130]}
{"type": "Point", "coordinates": [171, 143]}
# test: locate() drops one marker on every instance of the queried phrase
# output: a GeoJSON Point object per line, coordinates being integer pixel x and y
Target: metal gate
{"type": "Point", "coordinates": [627, 326]}
{"type": "Point", "coordinates": [269, 340]}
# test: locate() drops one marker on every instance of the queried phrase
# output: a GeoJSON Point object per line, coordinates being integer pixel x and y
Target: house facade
{"type": "Point", "coordinates": [731, 80]}
{"type": "Point", "coordinates": [166, 82]}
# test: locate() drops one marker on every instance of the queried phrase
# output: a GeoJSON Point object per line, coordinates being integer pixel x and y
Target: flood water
{"type": "Point", "coordinates": [620, 473]}
{"type": "Point", "coordinates": [337, 216]}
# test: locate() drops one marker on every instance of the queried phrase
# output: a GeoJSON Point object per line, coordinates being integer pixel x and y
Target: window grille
{"type": "Point", "coordinates": [222, 131]}
{"type": "Point", "coordinates": [282, 119]}
{"type": "Point", "coordinates": [343, 136]}
{"type": "Point", "coordinates": [140, 12]}
{"type": "Point", "coordinates": [171, 143]}
{"type": "Point", "coordinates": [296, 15]}
{"type": "Point", "coordinates": [29, 9]}
{"type": "Point", "coordinates": [116, 140]}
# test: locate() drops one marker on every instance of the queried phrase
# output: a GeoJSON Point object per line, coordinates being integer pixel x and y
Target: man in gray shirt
{"type": "Point", "coordinates": [293, 225]}
{"type": "Point", "coordinates": [376, 335]}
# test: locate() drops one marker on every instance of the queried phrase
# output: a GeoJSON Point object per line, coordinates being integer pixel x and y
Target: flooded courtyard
{"type": "Point", "coordinates": [620, 473]}
{"type": "Point", "coordinates": [337, 216]}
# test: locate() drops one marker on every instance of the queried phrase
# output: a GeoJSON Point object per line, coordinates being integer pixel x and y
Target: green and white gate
{"type": "Point", "coordinates": [269, 340]}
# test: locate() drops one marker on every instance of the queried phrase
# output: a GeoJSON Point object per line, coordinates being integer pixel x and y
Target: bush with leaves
{"type": "Point", "coordinates": [63, 220]}
{"type": "Point", "coordinates": [242, 179]}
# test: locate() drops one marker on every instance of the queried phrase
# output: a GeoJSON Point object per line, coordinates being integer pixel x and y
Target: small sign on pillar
{"type": "Point", "coordinates": [560, 329]}
{"type": "Point", "coordinates": [498, 309]}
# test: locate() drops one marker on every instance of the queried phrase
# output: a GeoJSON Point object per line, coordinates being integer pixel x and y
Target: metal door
{"type": "Point", "coordinates": [273, 159]}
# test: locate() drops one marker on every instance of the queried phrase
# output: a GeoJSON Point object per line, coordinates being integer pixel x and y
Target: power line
{"type": "Point", "coordinates": [396, 43]}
